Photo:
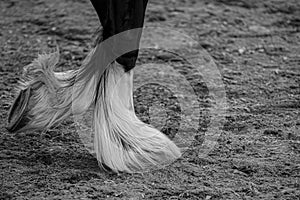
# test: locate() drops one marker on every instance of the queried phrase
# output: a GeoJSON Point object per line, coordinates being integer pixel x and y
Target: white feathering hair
{"type": "Point", "coordinates": [121, 141]}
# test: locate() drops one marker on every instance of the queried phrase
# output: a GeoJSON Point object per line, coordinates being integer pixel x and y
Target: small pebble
{"type": "Point", "coordinates": [242, 50]}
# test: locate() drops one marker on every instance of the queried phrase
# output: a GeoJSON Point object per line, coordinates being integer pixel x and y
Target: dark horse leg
{"type": "Point", "coordinates": [117, 16]}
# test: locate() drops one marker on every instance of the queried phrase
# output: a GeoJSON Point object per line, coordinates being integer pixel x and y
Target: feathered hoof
{"type": "Point", "coordinates": [122, 141]}
{"type": "Point", "coordinates": [39, 94]}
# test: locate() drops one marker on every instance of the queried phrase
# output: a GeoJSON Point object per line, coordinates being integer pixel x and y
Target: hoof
{"type": "Point", "coordinates": [17, 118]}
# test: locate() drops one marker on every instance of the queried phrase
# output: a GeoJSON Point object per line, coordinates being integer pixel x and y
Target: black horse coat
{"type": "Point", "coordinates": [117, 16]}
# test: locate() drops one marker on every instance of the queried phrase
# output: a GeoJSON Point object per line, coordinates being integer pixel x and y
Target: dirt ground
{"type": "Point", "coordinates": [256, 47]}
